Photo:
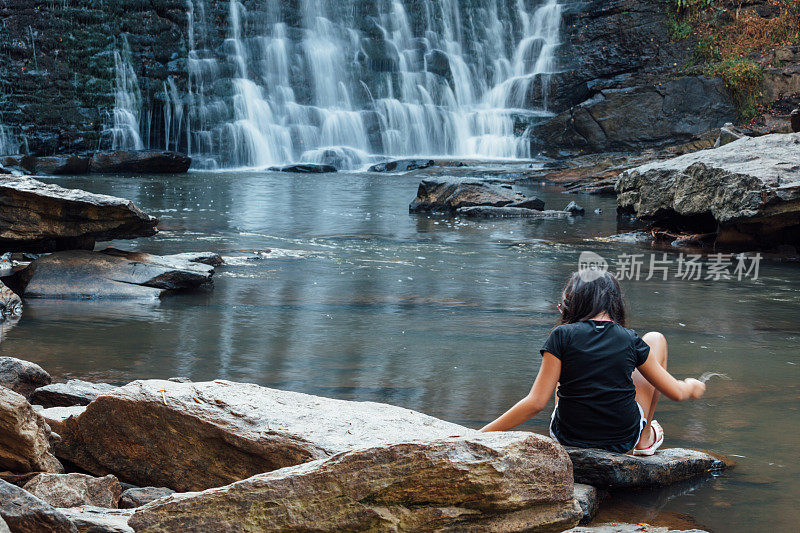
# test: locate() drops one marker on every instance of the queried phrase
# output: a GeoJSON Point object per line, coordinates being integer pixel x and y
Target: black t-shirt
{"type": "Point", "coordinates": [597, 406]}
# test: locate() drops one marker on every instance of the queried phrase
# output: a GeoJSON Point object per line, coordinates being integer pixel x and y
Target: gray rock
{"type": "Point", "coordinates": [529, 203]}
{"type": "Point", "coordinates": [794, 119]}
{"type": "Point", "coordinates": [73, 490]}
{"type": "Point", "coordinates": [91, 519]}
{"type": "Point", "coordinates": [629, 528]}
{"type": "Point", "coordinates": [574, 208]}
{"type": "Point", "coordinates": [3, 525]}
{"type": "Point", "coordinates": [10, 303]}
{"type": "Point", "coordinates": [140, 162]}
{"type": "Point", "coordinates": [401, 165]}
{"type": "Point", "coordinates": [73, 392]}
{"type": "Point", "coordinates": [138, 496]}
{"type": "Point", "coordinates": [45, 217]}
{"type": "Point", "coordinates": [56, 416]}
{"type": "Point", "coordinates": [589, 499]}
{"type": "Point", "coordinates": [727, 134]}
{"type": "Point", "coordinates": [229, 431]}
{"type": "Point", "coordinates": [504, 481]}
{"type": "Point", "coordinates": [24, 437]}
{"type": "Point", "coordinates": [80, 274]}
{"type": "Point", "coordinates": [614, 470]}
{"type": "Point", "coordinates": [305, 168]}
{"type": "Point", "coordinates": [749, 188]}
{"type": "Point", "coordinates": [447, 195]}
{"type": "Point", "coordinates": [25, 513]}
{"type": "Point", "coordinates": [509, 212]}
{"type": "Point", "coordinates": [22, 376]}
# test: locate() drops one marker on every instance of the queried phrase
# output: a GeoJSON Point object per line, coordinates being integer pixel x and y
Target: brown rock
{"type": "Point", "coordinates": [22, 376]}
{"type": "Point", "coordinates": [73, 490]}
{"type": "Point", "coordinates": [193, 436]}
{"type": "Point", "coordinates": [24, 437]}
{"type": "Point", "coordinates": [25, 513]}
{"type": "Point", "coordinates": [144, 162]}
{"type": "Point", "coordinates": [506, 482]}
{"type": "Point", "coordinates": [35, 216]}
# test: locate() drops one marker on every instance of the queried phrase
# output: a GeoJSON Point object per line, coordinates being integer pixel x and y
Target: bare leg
{"type": "Point", "coordinates": [647, 395]}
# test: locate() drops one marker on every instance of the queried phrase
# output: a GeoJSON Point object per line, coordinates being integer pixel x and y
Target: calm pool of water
{"type": "Point", "coordinates": [355, 298]}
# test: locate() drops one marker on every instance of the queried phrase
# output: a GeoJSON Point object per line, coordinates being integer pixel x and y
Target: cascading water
{"type": "Point", "coordinates": [8, 145]}
{"type": "Point", "coordinates": [336, 81]}
{"type": "Point", "coordinates": [125, 132]}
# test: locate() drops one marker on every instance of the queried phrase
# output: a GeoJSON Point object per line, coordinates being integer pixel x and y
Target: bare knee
{"type": "Point", "coordinates": [658, 345]}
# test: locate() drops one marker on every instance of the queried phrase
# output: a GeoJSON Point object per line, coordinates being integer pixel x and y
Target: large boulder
{"type": "Point", "coordinates": [447, 195]}
{"type": "Point", "coordinates": [492, 482]}
{"type": "Point", "coordinates": [73, 392]}
{"type": "Point", "coordinates": [22, 376]}
{"type": "Point", "coordinates": [73, 490]}
{"type": "Point", "coordinates": [25, 513]}
{"type": "Point", "coordinates": [81, 274]}
{"type": "Point", "coordinates": [24, 437]}
{"type": "Point", "coordinates": [192, 436]}
{"type": "Point", "coordinates": [621, 471]}
{"type": "Point", "coordinates": [749, 190]}
{"type": "Point", "coordinates": [140, 162]}
{"type": "Point", "coordinates": [10, 303]}
{"type": "Point", "coordinates": [36, 216]}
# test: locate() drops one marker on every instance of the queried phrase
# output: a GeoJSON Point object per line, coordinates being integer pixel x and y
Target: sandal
{"type": "Point", "coordinates": [659, 435]}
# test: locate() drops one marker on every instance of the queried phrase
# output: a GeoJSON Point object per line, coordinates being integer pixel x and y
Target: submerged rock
{"type": "Point", "coordinates": [138, 496]}
{"type": "Point", "coordinates": [82, 274]}
{"type": "Point", "coordinates": [509, 212]}
{"type": "Point", "coordinates": [305, 168]}
{"type": "Point", "coordinates": [229, 431]}
{"type": "Point", "coordinates": [72, 490]}
{"type": "Point", "coordinates": [401, 165]}
{"type": "Point", "coordinates": [73, 392]}
{"type": "Point", "coordinates": [447, 195]}
{"type": "Point", "coordinates": [25, 513]}
{"type": "Point", "coordinates": [509, 481]}
{"type": "Point", "coordinates": [748, 190]}
{"type": "Point", "coordinates": [91, 519]}
{"type": "Point", "coordinates": [669, 465]}
{"type": "Point", "coordinates": [142, 162]}
{"type": "Point", "coordinates": [43, 217]}
{"type": "Point", "coordinates": [574, 208]}
{"type": "Point", "coordinates": [24, 437]}
{"type": "Point", "coordinates": [21, 376]}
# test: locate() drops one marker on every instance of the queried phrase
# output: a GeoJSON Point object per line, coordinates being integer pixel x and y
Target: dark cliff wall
{"type": "Point", "coordinates": [57, 63]}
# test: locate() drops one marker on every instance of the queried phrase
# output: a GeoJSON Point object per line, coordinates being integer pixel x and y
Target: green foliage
{"type": "Point", "coordinates": [744, 79]}
{"type": "Point", "coordinates": [678, 29]}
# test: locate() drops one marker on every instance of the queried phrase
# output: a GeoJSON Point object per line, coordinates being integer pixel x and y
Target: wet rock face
{"type": "Point", "coordinates": [615, 471]}
{"type": "Point", "coordinates": [73, 392]}
{"type": "Point", "coordinates": [401, 165]}
{"type": "Point", "coordinates": [145, 162]}
{"type": "Point", "coordinates": [750, 188]}
{"type": "Point", "coordinates": [21, 376]}
{"type": "Point", "coordinates": [24, 437]}
{"type": "Point", "coordinates": [83, 274]}
{"type": "Point", "coordinates": [494, 482]}
{"type": "Point", "coordinates": [448, 195]}
{"type": "Point", "coordinates": [25, 513]}
{"type": "Point", "coordinates": [229, 431]}
{"type": "Point", "coordinates": [36, 216]}
{"type": "Point", "coordinates": [73, 490]}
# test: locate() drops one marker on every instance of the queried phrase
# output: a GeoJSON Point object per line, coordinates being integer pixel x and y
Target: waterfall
{"type": "Point", "coordinates": [345, 81]}
{"type": "Point", "coordinates": [8, 145]}
{"type": "Point", "coordinates": [125, 134]}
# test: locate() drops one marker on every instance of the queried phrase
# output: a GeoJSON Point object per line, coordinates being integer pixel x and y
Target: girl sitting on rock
{"type": "Point", "coordinates": [608, 379]}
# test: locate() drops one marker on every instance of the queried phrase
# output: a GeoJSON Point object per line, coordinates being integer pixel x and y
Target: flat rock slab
{"type": "Point", "coordinates": [73, 490]}
{"type": "Point", "coordinates": [143, 162]}
{"type": "Point", "coordinates": [138, 496]}
{"type": "Point", "coordinates": [629, 528]}
{"type": "Point", "coordinates": [80, 274]}
{"type": "Point", "coordinates": [36, 216]}
{"type": "Point", "coordinates": [511, 481]}
{"type": "Point", "coordinates": [24, 437]}
{"type": "Point", "coordinates": [91, 519]}
{"type": "Point", "coordinates": [193, 436]}
{"type": "Point", "coordinates": [509, 212]}
{"type": "Point", "coordinates": [73, 392]}
{"type": "Point", "coordinates": [305, 168]}
{"type": "Point", "coordinates": [56, 416]}
{"type": "Point", "coordinates": [669, 465]}
{"type": "Point", "coordinates": [25, 513]}
{"type": "Point", "coordinates": [447, 195]}
{"type": "Point", "coordinates": [22, 376]}
{"type": "Point", "coordinates": [401, 165]}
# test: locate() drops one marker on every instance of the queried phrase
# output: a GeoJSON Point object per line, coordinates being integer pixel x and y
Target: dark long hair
{"type": "Point", "coordinates": [585, 297]}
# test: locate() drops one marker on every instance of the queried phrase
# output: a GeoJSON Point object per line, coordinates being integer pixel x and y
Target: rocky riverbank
{"type": "Point", "coordinates": [259, 455]}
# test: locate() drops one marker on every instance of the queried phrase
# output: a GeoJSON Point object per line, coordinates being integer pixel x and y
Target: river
{"type": "Point", "coordinates": [348, 295]}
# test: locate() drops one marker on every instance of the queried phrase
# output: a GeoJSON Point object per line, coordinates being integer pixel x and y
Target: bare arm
{"type": "Point", "coordinates": [670, 387]}
{"type": "Point", "coordinates": [535, 401]}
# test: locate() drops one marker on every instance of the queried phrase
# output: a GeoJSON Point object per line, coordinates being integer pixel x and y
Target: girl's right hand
{"type": "Point", "coordinates": [696, 388]}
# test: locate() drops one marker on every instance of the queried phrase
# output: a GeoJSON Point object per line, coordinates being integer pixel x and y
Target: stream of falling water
{"type": "Point", "coordinates": [341, 82]}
